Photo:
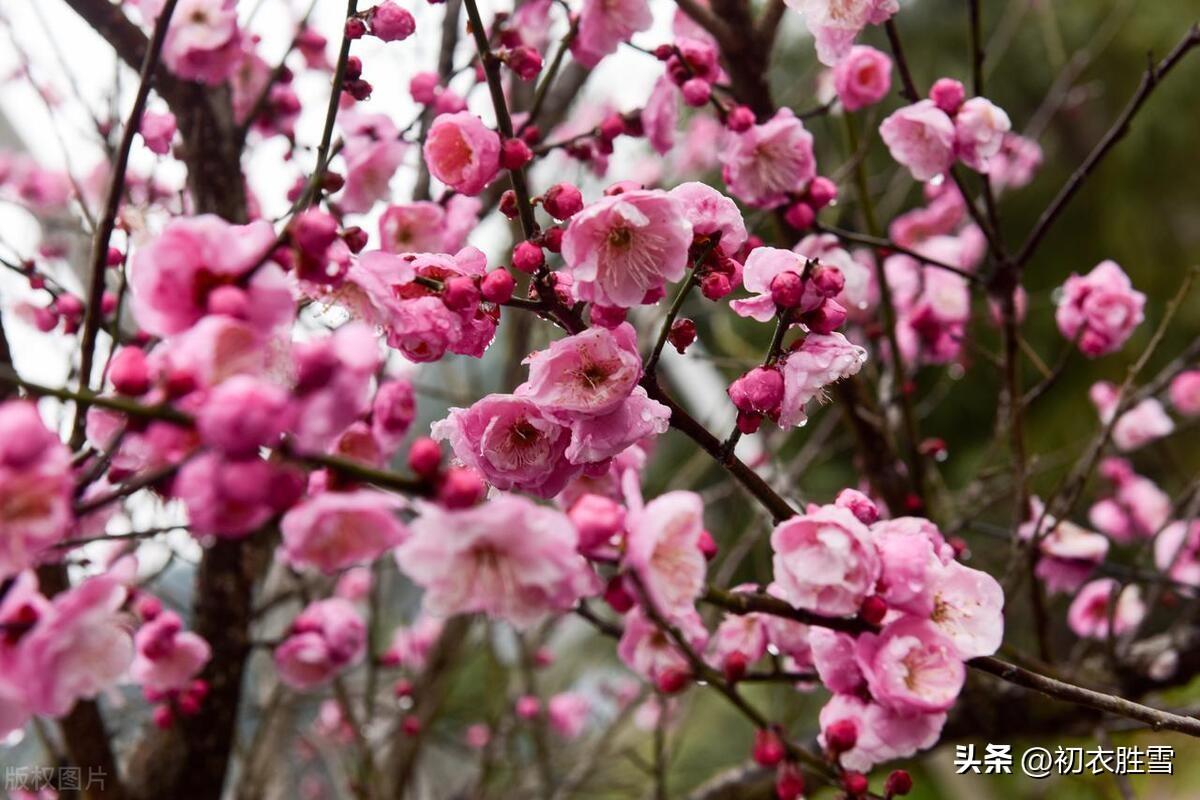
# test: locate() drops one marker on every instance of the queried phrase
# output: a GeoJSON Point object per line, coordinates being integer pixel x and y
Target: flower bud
{"type": "Point", "coordinates": [508, 204]}
{"type": "Point", "coordinates": [671, 681]}
{"type": "Point", "coordinates": [899, 783]}
{"type": "Point", "coordinates": [855, 784]}
{"type": "Point", "coordinates": [425, 457]}
{"type": "Point", "coordinates": [739, 119]}
{"type": "Point", "coordinates": [461, 487]}
{"type": "Point", "coordinates": [562, 201]}
{"type": "Point", "coordinates": [768, 748]}
{"type": "Point", "coordinates": [827, 318]}
{"type": "Point", "coordinates": [355, 28]}
{"type": "Point", "coordinates": [514, 154]}
{"type": "Point", "coordinates": [800, 215]}
{"type": "Point", "coordinates": [391, 23]}
{"type": "Point", "coordinates": [528, 257]}
{"type": "Point", "coordinates": [598, 519]}
{"type": "Point", "coordinates": [821, 192]}
{"type": "Point", "coordinates": [947, 94]}
{"type": "Point", "coordinates": [682, 334]}
{"type": "Point", "coordinates": [759, 391]}
{"type": "Point", "coordinates": [497, 286]}
{"type": "Point", "coordinates": [787, 289]}
{"type": "Point", "coordinates": [841, 736]}
{"type": "Point", "coordinates": [696, 92]}
{"type": "Point", "coordinates": [460, 293]}
{"type": "Point", "coordinates": [715, 285]}
{"type": "Point", "coordinates": [129, 373]}
{"type": "Point", "coordinates": [617, 595]}
{"type": "Point", "coordinates": [873, 610]}
{"type": "Point", "coordinates": [789, 783]}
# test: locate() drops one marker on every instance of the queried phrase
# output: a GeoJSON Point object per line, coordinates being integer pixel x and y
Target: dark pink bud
{"type": "Point", "coordinates": [821, 192]}
{"type": "Point", "coordinates": [707, 545]}
{"type": "Point", "coordinates": [108, 303]}
{"type": "Point", "coordinates": [425, 457]}
{"type": "Point", "coordinates": [508, 204]}
{"type": "Point", "coordinates": [873, 610]}
{"type": "Point", "coordinates": [759, 391]}
{"type": "Point", "coordinates": [715, 285]}
{"type": "Point", "coordinates": [789, 783]}
{"type": "Point", "coordinates": [827, 318]}
{"type": "Point", "coordinates": [528, 257]}
{"type": "Point", "coordinates": [696, 92]}
{"type": "Point", "coordinates": [497, 286]}
{"type": "Point", "coordinates": [313, 231]}
{"type": "Point", "coordinates": [612, 126]}
{"type": "Point", "coordinates": [855, 784]}
{"type": "Point", "coordinates": [828, 281]}
{"type": "Point", "coordinates": [460, 293]}
{"type": "Point", "coordinates": [391, 23]}
{"type": "Point", "coordinates": [353, 70]}
{"type": "Point", "coordinates": [129, 373]}
{"type": "Point", "coordinates": [461, 487]}
{"type": "Point", "coordinates": [552, 239]}
{"type": "Point", "coordinates": [424, 87]}
{"type": "Point", "coordinates": [947, 94]}
{"type": "Point", "coordinates": [747, 422]}
{"type": "Point", "coordinates": [739, 119]}
{"type": "Point", "coordinates": [402, 688]}
{"type": "Point", "coordinates": [858, 504]}
{"type": "Point", "coordinates": [768, 748]}
{"type": "Point", "coordinates": [608, 317]}
{"type": "Point", "coordinates": [114, 257]}
{"type": "Point", "coordinates": [229, 301]}
{"type": "Point", "coordinates": [360, 89]}
{"type": "Point", "coordinates": [163, 717]}
{"type": "Point", "coordinates": [411, 725]}
{"type": "Point", "coordinates": [734, 666]}
{"type": "Point", "coordinates": [514, 154]}
{"type": "Point", "coordinates": [664, 52]}
{"type": "Point", "coordinates": [355, 28]}
{"type": "Point", "coordinates": [682, 334]}
{"type": "Point", "coordinates": [671, 681]}
{"type": "Point", "coordinates": [68, 305]}
{"type": "Point", "coordinates": [787, 290]}
{"type": "Point", "coordinates": [525, 62]}
{"type": "Point", "coordinates": [899, 783]}
{"type": "Point", "coordinates": [562, 201]}
{"type": "Point", "coordinates": [617, 595]}
{"type": "Point", "coordinates": [841, 736]}
{"type": "Point", "coordinates": [800, 215]}
{"type": "Point", "coordinates": [598, 519]}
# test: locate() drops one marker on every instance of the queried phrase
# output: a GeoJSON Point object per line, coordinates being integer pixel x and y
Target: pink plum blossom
{"type": "Point", "coordinates": [335, 530]}
{"type": "Point", "coordinates": [1015, 163]}
{"type": "Point", "coordinates": [921, 137]}
{"type": "Point", "coordinates": [512, 442]}
{"type": "Point", "coordinates": [392, 412]}
{"type": "Point", "coordinates": [911, 667]}
{"type": "Point", "coordinates": [1092, 610]}
{"type": "Point", "coordinates": [157, 130]}
{"type": "Point", "coordinates": [623, 246]}
{"type": "Point", "coordinates": [509, 558]}
{"type": "Point", "coordinates": [426, 227]}
{"type": "Point", "coordinates": [203, 265]}
{"type": "Point", "coordinates": [567, 713]}
{"type": "Point", "coordinates": [835, 657]}
{"type": "Point", "coordinates": [1100, 310]}
{"type": "Point", "coordinates": [710, 213]}
{"type": "Point", "coordinates": [824, 561]}
{"type": "Point", "coordinates": [909, 556]}
{"type": "Point", "coordinates": [767, 162]}
{"type": "Point", "coordinates": [325, 639]}
{"type": "Point", "coordinates": [979, 130]}
{"type": "Point", "coordinates": [242, 415]}
{"type": "Point", "coordinates": [821, 360]}
{"type": "Point", "coordinates": [462, 152]}
{"type": "Point", "coordinates": [588, 374]}
{"type": "Point", "coordinates": [863, 77]}
{"type": "Point", "coordinates": [604, 25]}
{"type": "Point", "coordinates": [594, 440]}
{"type": "Point", "coordinates": [80, 646]}
{"type": "Point", "coordinates": [1184, 392]}
{"type": "Point", "coordinates": [1068, 552]}
{"type": "Point", "coordinates": [230, 499]}
{"type": "Point", "coordinates": [168, 657]}
{"type": "Point", "coordinates": [36, 488]}
{"type": "Point", "coordinates": [333, 382]}
{"type": "Point", "coordinates": [203, 43]}
{"type": "Point", "coordinates": [373, 150]}
{"type": "Point", "coordinates": [882, 734]}
{"type": "Point", "coordinates": [663, 549]}
{"type": "Point", "coordinates": [1177, 552]}
{"type": "Point", "coordinates": [1137, 426]}
{"type": "Point", "coordinates": [968, 609]}
{"type": "Point", "coordinates": [411, 644]}
{"type": "Point", "coordinates": [650, 652]}
{"type": "Point", "coordinates": [835, 24]}
{"type": "Point", "coordinates": [660, 116]}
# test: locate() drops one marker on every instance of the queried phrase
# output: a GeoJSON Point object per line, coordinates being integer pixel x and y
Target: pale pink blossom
{"type": "Point", "coordinates": [80, 646]}
{"type": "Point", "coordinates": [392, 413]}
{"type": "Point", "coordinates": [834, 655]}
{"type": "Point", "coordinates": [921, 137]}
{"type": "Point", "coordinates": [1100, 310]}
{"type": "Point", "coordinates": [909, 556]}
{"type": "Point", "coordinates": [1091, 611]}
{"type": "Point", "coordinates": [512, 442]}
{"type": "Point", "coordinates": [1177, 552]}
{"type": "Point", "coordinates": [1137, 426]}
{"type": "Point", "coordinates": [650, 652]}
{"type": "Point", "coordinates": [824, 561]}
{"type": "Point", "coordinates": [203, 43]}
{"type": "Point", "coordinates": [660, 116]}
{"type": "Point", "coordinates": [663, 549]}
{"type": "Point", "coordinates": [1138, 507]}
{"type": "Point", "coordinates": [821, 360]}
{"type": "Point", "coordinates": [859, 290]}
{"type": "Point", "coordinates": [462, 152]}
{"type": "Point", "coordinates": [157, 130]}
{"type": "Point", "coordinates": [968, 609]}
{"type": "Point", "coordinates": [567, 713]}
{"type": "Point", "coordinates": [427, 227]}
{"type": "Point", "coordinates": [36, 488]}
{"type": "Point", "coordinates": [335, 530]}
{"type": "Point", "coordinates": [1015, 163]}
{"type": "Point", "coordinates": [623, 246]}
{"type": "Point", "coordinates": [711, 213]}
{"type": "Point", "coordinates": [372, 150]}
{"type": "Point", "coordinates": [588, 374]}
{"type": "Point", "coordinates": [412, 644]}
{"type": "Point", "coordinates": [333, 382]}
{"type": "Point", "coordinates": [508, 558]}
{"type": "Point", "coordinates": [835, 24]}
{"type": "Point", "coordinates": [605, 24]}
{"type": "Point", "coordinates": [863, 77]}
{"type": "Point", "coordinates": [742, 637]}
{"type": "Point", "coordinates": [168, 657]}
{"type": "Point", "coordinates": [326, 638]}
{"type": "Point", "coordinates": [762, 266]}
{"type": "Point", "coordinates": [202, 265]}
{"type": "Point", "coordinates": [942, 214]}
{"type": "Point", "coordinates": [911, 667]}
{"type": "Point", "coordinates": [979, 130]}
{"type": "Point", "coordinates": [882, 734]}
{"type": "Point", "coordinates": [595, 439]}
{"type": "Point", "coordinates": [766, 163]}
{"type": "Point", "coordinates": [1068, 553]}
